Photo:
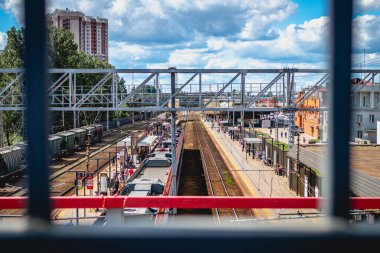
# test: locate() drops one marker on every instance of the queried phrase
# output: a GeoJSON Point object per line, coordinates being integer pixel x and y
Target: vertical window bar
{"type": "Point", "coordinates": [36, 108]}
{"type": "Point", "coordinates": [339, 101]}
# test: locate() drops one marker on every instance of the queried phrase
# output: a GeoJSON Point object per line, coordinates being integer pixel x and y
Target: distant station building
{"type": "Point", "coordinates": [90, 33]}
{"type": "Point", "coordinates": [308, 178]}
{"type": "Point", "coordinates": [314, 123]}
{"type": "Point", "coordinates": [366, 103]}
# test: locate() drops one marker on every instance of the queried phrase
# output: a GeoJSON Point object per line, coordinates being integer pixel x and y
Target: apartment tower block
{"type": "Point", "coordinates": [90, 34]}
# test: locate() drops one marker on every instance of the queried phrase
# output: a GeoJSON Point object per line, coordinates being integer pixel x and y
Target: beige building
{"type": "Point", "coordinates": [90, 34]}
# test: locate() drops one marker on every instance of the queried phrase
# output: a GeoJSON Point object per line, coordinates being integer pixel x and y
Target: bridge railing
{"type": "Point", "coordinates": [188, 202]}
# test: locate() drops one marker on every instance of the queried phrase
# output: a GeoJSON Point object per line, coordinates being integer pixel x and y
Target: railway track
{"type": "Point", "coordinates": [218, 178]}
{"type": "Point", "coordinates": [112, 137]}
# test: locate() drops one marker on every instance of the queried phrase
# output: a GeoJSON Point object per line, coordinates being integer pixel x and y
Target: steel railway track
{"type": "Point", "coordinates": [72, 165]}
{"type": "Point", "coordinates": [214, 178]}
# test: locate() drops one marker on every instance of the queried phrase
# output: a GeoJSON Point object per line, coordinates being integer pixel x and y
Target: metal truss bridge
{"type": "Point", "coordinates": [189, 89]}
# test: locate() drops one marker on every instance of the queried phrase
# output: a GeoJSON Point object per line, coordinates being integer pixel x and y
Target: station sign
{"type": "Point", "coordinates": [90, 182]}
{"type": "Point", "coordinates": [80, 176]}
{"type": "Point", "coordinates": [103, 183]}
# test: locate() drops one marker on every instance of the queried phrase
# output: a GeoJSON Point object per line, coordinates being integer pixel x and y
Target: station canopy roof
{"type": "Point", "coordinates": [147, 141]}
{"type": "Point", "coordinates": [252, 140]}
{"type": "Point", "coordinates": [124, 142]}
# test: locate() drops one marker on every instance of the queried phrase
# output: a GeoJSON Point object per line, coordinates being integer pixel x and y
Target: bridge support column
{"type": "Point", "coordinates": [173, 130]}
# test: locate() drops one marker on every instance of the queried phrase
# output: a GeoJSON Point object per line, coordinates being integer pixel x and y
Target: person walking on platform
{"type": "Point", "coordinates": [115, 186]}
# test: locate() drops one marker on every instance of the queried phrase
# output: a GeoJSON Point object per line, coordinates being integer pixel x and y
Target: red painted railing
{"type": "Point", "coordinates": [189, 202]}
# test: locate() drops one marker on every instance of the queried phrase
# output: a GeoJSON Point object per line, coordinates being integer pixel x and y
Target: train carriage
{"type": "Point", "coordinates": [10, 163]}
{"type": "Point", "coordinates": [79, 137]}
{"type": "Point", "coordinates": [55, 146]}
{"type": "Point", "coordinates": [68, 141]}
{"type": "Point", "coordinates": [23, 147]}
{"type": "Point", "coordinates": [98, 132]}
{"type": "Point", "coordinates": [10, 159]}
{"type": "Point", "coordinates": [90, 130]}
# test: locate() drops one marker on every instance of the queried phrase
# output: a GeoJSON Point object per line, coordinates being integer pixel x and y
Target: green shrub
{"type": "Point", "coordinates": [313, 141]}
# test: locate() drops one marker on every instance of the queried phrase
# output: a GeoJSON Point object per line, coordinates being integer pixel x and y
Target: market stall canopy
{"type": "Point", "coordinates": [252, 140]}
{"type": "Point", "coordinates": [147, 141]}
{"type": "Point", "coordinates": [126, 142]}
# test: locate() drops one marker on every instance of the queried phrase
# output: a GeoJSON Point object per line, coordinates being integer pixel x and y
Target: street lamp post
{"type": "Point", "coordinates": [233, 105]}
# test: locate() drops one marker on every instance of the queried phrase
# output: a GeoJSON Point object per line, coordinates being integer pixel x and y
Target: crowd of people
{"type": "Point", "coordinates": [236, 136]}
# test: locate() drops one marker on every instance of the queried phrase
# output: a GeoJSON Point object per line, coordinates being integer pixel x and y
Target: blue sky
{"type": "Point", "coordinates": [215, 33]}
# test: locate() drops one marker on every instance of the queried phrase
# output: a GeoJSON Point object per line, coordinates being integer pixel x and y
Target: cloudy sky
{"type": "Point", "coordinates": [216, 33]}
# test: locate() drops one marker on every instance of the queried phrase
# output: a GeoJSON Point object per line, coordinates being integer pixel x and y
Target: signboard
{"type": "Point", "coordinates": [103, 183]}
{"type": "Point", "coordinates": [80, 180]}
{"type": "Point", "coordinates": [90, 182]}
{"type": "Point", "coordinates": [265, 123]}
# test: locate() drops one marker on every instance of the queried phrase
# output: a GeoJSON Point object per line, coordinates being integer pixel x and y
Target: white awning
{"type": "Point", "coordinates": [126, 142]}
{"type": "Point", "coordinates": [233, 129]}
{"type": "Point", "coordinates": [223, 121]}
{"type": "Point", "coordinates": [252, 140]}
{"type": "Point", "coordinates": [147, 141]}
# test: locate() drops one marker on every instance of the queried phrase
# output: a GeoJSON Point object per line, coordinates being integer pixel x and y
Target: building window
{"type": "Point", "coordinates": [359, 118]}
{"type": "Point", "coordinates": [365, 101]}
{"type": "Point", "coordinates": [359, 134]}
{"type": "Point", "coordinates": [372, 118]}
{"type": "Point", "coordinates": [376, 99]}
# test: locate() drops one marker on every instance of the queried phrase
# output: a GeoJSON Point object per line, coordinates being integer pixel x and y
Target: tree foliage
{"type": "Point", "coordinates": [12, 58]}
{"type": "Point", "coordinates": [62, 53]}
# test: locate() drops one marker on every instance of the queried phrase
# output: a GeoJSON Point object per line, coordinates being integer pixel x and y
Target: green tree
{"type": "Point", "coordinates": [62, 53]}
{"type": "Point", "coordinates": [61, 48]}
{"type": "Point", "coordinates": [12, 58]}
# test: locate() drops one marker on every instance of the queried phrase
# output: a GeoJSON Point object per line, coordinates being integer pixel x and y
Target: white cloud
{"type": "Point", "coordinates": [16, 7]}
{"type": "Point", "coordinates": [301, 45]}
{"type": "Point", "coordinates": [163, 21]}
{"type": "Point", "coordinates": [214, 33]}
{"type": "Point", "coordinates": [121, 51]}
{"type": "Point", "coordinates": [365, 5]}
{"type": "Point", "coordinates": [366, 31]}
{"type": "Point", "coordinates": [3, 40]}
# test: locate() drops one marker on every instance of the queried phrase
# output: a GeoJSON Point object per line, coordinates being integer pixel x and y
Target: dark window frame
{"type": "Point", "coordinates": [39, 235]}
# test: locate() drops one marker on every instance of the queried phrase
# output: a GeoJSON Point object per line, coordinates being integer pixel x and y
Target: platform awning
{"type": "Point", "coordinates": [147, 141]}
{"type": "Point", "coordinates": [126, 142]}
{"type": "Point", "coordinates": [252, 140]}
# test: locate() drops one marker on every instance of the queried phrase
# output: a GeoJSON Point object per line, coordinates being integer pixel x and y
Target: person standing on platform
{"type": "Point", "coordinates": [126, 175]}
{"type": "Point", "coordinates": [115, 187]}
{"type": "Point", "coordinates": [113, 176]}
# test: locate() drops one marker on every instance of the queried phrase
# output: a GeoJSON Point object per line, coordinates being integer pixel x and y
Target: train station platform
{"type": "Point", "coordinates": [89, 216]}
{"type": "Point", "coordinates": [255, 178]}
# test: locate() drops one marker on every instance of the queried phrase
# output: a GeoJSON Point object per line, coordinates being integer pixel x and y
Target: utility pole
{"type": "Point", "coordinates": [87, 166]}
{"type": "Point", "coordinates": [298, 162]}
{"type": "Point", "coordinates": [88, 142]}
{"type": "Point", "coordinates": [2, 129]}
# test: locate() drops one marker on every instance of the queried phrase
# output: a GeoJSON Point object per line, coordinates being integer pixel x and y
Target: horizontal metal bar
{"type": "Point", "coordinates": [203, 71]}
{"type": "Point", "coordinates": [191, 202]}
{"type": "Point", "coordinates": [163, 109]}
